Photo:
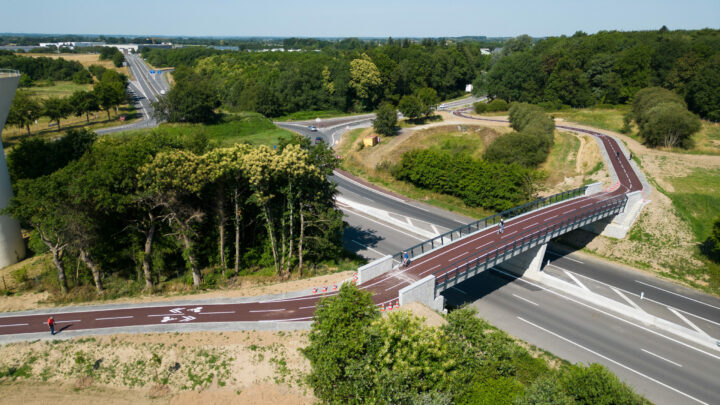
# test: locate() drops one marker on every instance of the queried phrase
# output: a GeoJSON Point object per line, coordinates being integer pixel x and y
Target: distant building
{"type": "Point", "coordinates": [485, 51]}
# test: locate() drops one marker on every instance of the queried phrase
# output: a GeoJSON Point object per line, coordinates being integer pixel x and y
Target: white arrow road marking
{"type": "Point", "coordinates": [196, 310]}
{"type": "Point", "coordinates": [187, 318]}
{"type": "Point", "coordinates": [177, 310]}
{"type": "Point", "coordinates": [168, 319]}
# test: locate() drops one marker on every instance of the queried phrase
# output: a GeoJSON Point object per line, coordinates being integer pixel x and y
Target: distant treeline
{"type": "Point", "coordinates": [277, 83]}
{"type": "Point", "coordinates": [608, 68]}
{"type": "Point", "coordinates": [40, 68]}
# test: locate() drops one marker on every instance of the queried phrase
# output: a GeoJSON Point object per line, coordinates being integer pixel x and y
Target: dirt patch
{"type": "Point", "coordinates": [28, 301]}
{"type": "Point", "coordinates": [430, 317]}
{"type": "Point", "coordinates": [186, 368]}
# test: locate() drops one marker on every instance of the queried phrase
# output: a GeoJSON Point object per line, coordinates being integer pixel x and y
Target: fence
{"type": "Point", "coordinates": [501, 251]}
{"type": "Point", "coordinates": [450, 236]}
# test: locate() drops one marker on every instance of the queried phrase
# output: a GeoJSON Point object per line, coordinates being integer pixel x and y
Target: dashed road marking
{"type": "Point", "coordinates": [525, 299]}
{"type": "Point", "coordinates": [114, 317]}
{"type": "Point", "coordinates": [660, 357]}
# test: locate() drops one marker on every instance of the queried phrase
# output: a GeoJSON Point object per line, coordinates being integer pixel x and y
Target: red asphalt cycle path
{"type": "Point", "coordinates": [384, 288]}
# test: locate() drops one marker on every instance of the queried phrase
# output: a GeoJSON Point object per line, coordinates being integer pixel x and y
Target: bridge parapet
{"type": "Point", "coordinates": [502, 251]}
{"type": "Point", "coordinates": [476, 226]}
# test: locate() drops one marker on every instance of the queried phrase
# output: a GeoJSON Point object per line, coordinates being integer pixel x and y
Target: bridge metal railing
{"type": "Point", "coordinates": [452, 235]}
{"type": "Point", "coordinates": [468, 266]}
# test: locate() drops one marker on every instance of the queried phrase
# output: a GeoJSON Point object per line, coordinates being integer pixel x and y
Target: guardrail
{"type": "Point", "coordinates": [450, 236]}
{"type": "Point", "coordinates": [9, 73]}
{"type": "Point", "coordinates": [500, 251]}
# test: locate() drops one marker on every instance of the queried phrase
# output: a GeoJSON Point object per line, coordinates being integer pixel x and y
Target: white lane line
{"type": "Point", "coordinates": [369, 188]}
{"type": "Point", "coordinates": [687, 321]}
{"type": "Point", "coordinates": [660, 357]}
{"type": "Point", "coordinates": [397, 285]}
{"type": "Point", "coordinates": [679, 295]}
{"type": "Point", "coordinates": [531, 225]}
{"type": "Point", "coordinates": [525, 299]}
{"type": "Point", "coordinates": [430, 269]}
{"type": "Point", "coordinates": [114, 317]}
{"type": "Point", "coordinates": [369, 248]}
{"type": "Point", "coordinates": [268, 310]}
{"type": "Point", "coordinates": [311, 306]}
{"type": "Point", "coordinates": [482, 246]}
{"type": "Point", "coordinates": [508, 234]}
{"type": "Point", "coordinates": [681, 343]}
{"type": "Point", "coordinates": [76, 320]}
{"type": "Point", "coordinates": [165, 315]}
{"type": "Point", "coordinates": [645, 298]}
{"type": "Point", "coordinates": [572, 276]}
{"type": "Point", "coordinates": [552, 217]}
{"type": "Point", "coordinates": [613, 361]}
{"type": "Point", "coordinates": [455, 288]}
{"type": "Point", "coordinates": [286, 320]}
{"type": "Point", "coordinates": [15, 324]}
{"type": "Point", "coordinates": [628, 300]}
{"type": "Point", "coordinates": [564, 257]}
{"type": "Point", "coordinates": [217, 313]}
{"type": "Point", "coordinates": [388, 226]}
{"type": "Point", "coordinates": [457, 257]}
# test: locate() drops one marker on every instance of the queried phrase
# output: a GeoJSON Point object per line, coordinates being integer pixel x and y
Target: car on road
{"type": "Point", "coordinates": [318, 139]}
{"type": "Point", "coordinates": [312, 128]}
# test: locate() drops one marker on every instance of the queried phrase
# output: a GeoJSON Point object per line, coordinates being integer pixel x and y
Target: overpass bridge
{"type": "Point", "coordinates": [437, 264]}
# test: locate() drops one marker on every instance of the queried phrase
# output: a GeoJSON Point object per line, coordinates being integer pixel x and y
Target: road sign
{"type": "Point", "coordinates": [318, 120]}
{"type": "Point", "coordinates": [152, 72]}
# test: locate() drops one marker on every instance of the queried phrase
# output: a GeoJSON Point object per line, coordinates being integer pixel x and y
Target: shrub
{"type": "Point", "coordinates": [497, 105]}
{"type": "Point", "coordinates": [480, 107]}
{"type": "Point", "coordinates": [596, 385]}
{"type": "Point", "coordinates": [663, 118]}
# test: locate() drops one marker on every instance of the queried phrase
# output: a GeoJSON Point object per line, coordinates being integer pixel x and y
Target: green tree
{"type": "Point", "coordinates": [669, 125]}
{"type": "Point", "coordinates": [411, 106]}
{"type": "Point", "coordinates": [337, 343]}
{"type": "Point", "coordinates": [385, 122]}
{"type": "Point", "coordinates": [110, 90]}
{"type": "Point", "coordinates": [24, 111]}
{"type": "Point", "coordinates": [84, 102]}
{"type": "Point", "coordinates": [82, 77]}
{"type": "Point", "coordinates": [56, 108]}
{"type": "Point", "coordinates": [517, 77]}
{"type": "Point", "coordinates": [711, 246]}
{"type": "Point", "coordinates": [365, 79]}
{"type": "Point", "coordinates": [192, 99]}
{"type": "Point", "coordinates": [703, 91]}
{"type": "Point", "coordinates": [118, 59]}
{"type": "Point", "coordinates": [429, 99]}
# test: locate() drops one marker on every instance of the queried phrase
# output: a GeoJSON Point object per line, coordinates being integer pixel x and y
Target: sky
{"type": "Point", "coordinates": [360, 18]}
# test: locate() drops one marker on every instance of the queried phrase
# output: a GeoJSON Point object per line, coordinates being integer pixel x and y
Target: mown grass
{"type": "Point", "coordinates": [250, 128]}
{"type": "Point", "coordinates": [706, 141]}
{"type": "Point", "coordinates": [697, 199]}
{"type": "Point", "coordinates": [311, 115]}
{"type": "Point", "coordinates": [57, 89]}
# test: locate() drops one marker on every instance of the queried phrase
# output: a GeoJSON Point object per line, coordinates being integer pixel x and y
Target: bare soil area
{"type": "Point", "coordinates": [179, 368]}
{"type": "Point", "coordinates": [86, 59]}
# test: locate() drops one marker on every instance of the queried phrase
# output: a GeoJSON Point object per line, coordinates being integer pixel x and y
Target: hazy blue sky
{"type": "Point", "coordinates": [380, 18]}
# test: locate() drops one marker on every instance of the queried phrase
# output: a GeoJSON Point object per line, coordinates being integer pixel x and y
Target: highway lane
{"type": "Point", "coordinates": [658, 365]}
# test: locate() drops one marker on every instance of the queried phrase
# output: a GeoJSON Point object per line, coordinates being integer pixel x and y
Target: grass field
{"type": "Point", "coordinates": [707, 140]}
{"type": "Point", "coordinates": [250, 128]}
{"type": "Point", "coordinates": [697, 199]}
{"type": "Point", "coordinates": [86, 59]}
{"type": "Point", "coordinates": [311, 115]}
{"type": "Point", "coordinates": [58, 89]}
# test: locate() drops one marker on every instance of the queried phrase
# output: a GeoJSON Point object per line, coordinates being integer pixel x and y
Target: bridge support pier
{"type": "Point", "coordinates": [527, 264]}
{"type": "Point", "coordinates": [422, 291]}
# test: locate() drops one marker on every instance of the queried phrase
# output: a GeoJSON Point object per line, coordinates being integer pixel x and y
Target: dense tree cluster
{"type": "Point", "coordinates": [347, 80]}
{"type": "Point", "coordinates": [40, 68]}
{"type": "Point", "coordinates": [608, 68]}
{"type": "Point", "coordinates": [531, 144]}
{"type": "Point", "coordinates": [112, 54]}
{"type": "Point", "coordinates": [357, 356]}
{"type": "Point", "coordinates": [190, 100]}
{"type": "Point", "coordinates": [663, 118]}
{"type": "Point", "coordinates": [711, 247]}
{"type": "Point", "coordinates": [494, 186]}
{"type": "Point", "coordinates": [140, 206]}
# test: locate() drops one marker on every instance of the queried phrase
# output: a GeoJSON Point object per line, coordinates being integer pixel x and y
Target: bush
{"type": "Point", "coordinates": [596, 385]}
{"type": "Point", "coordinates": [502, 390]}
{"type": "Point", "coordinates": [82, 77]}
{"type": "Point", "coordinates": [480, 107]}
{"type": "Point", "coordinates": [711, 247]}
{"type": "Point", "coordinates": [531, 145]}
{"type": "Point", "coordinates": [663, 118]}
{"type": "Point", "coordinates": [497, 105]}
{"type": "Point", "coordinates": [385, 123]}
{"type": "Point", "coordinates": [494, 186]}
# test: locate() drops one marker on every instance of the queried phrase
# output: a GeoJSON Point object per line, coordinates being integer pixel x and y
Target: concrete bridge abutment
{"type": "Point", "coordinates": [527, 264]}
